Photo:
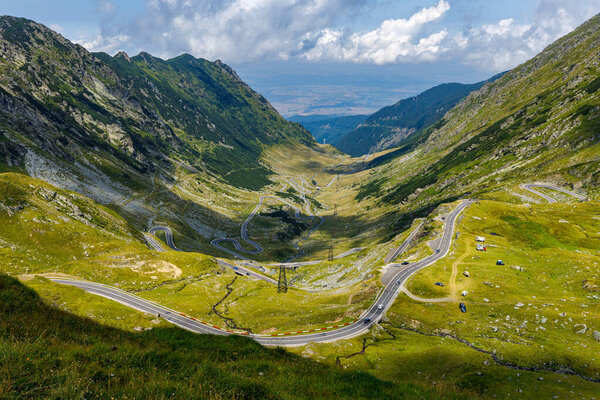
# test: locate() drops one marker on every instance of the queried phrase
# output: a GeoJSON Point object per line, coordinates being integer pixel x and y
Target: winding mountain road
{"type": "Point", "coordinates": [168, 236]}
{"type": "Point", "coordinates": [300, 185]}
{"type": "Point", "coordinates": [530, 187]}
{"type": "Point", "coordinates": [156, 245]}
{"type": "Point", "coordinates": [372, 315]}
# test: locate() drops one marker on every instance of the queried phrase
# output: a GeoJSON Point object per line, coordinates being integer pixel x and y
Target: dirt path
{"type": "Point", "coordinates": [425, 299]}
{"type": "Point", "coordinates": [452, 282]}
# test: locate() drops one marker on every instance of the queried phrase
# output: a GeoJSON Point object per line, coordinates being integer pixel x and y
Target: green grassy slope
{"type": "Point", "coordinates": [538, 121]}
{"type": "Point", "coordinates": [529, 328]}
{"type": "Point", "coordinates": [48, 230]}
{"type": "Point", "coordinates": [48, 353]}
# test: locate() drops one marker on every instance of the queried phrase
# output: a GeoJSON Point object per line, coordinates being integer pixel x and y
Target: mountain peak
{"type": "Point", "coordinates": [122, 54]}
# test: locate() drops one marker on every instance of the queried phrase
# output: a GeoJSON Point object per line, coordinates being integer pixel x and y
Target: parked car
{"type": "Point", "coordinates": [464, 293]}
{"type": "Point", "coordinates": [499, 262]}
{"type": "Point", "coordinates": [439, 284]}
{"type": "Point", "coordinates": [466, 273]}
{"type": "Point", "coordinates": [462, 307]}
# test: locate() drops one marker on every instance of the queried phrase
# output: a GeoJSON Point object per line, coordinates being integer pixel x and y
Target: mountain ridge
{"type": "Point", "coordinates": [146, 107]}
{"type": "Point", "coordinates": [537, 121]}
{"type": "Point", "coordinates": [391, 125]}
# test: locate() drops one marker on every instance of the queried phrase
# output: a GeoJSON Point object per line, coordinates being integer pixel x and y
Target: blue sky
{"type": "Point", "coordinates": [323, 56]}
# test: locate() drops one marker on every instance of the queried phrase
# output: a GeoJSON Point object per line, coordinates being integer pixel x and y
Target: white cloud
{"type": "Point", "coordinates": [233, 30]}
{"type": "Point", "coordinates": [107, 44]}
{"type": "Point", "coordinates": [394, 40]}
{"type": "Point", "coordinates": [239, 31]}
{"type": "Point", "coordinates": [105, 6]}
{"type": "Point", "coordinates": [507, 43]}
{"type": "Point", "coordinates": [56, 27]}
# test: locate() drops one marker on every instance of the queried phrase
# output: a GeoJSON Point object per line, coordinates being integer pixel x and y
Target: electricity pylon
{"type": "Point", "coordinates": [282, 282]}
{"type": "Point", "coordinates": [330, 255]}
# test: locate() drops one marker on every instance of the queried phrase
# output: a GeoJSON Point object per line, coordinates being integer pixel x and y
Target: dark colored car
{"type": "Point", "coordinates": [462, 307]}
{"type": "Point", "coordinates": [405, 263]}
{"type": "Point", "coordinates": [439, 284]}
{"type": "Point", "coordinates": [367, 320]}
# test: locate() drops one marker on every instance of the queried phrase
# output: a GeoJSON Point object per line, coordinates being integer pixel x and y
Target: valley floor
{"type": "Point", "coordinates": [531, 324]}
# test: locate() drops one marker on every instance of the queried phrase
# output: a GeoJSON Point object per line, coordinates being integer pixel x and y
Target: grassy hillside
{"type": "Point", "coordinates": [531, 326]}
{"type": "Point", "coordinates": [538, 121]}
{"type": "Point", "coordinates": [48, 353]}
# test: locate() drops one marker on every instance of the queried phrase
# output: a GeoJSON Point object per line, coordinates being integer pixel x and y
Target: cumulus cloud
{"type": "Point", "coordinates": [507, 43]}
{"type": "Point", "coordinates": [239, 31]}
{"type": "Point", "coordinates": [393, 41]}
{"type": "Point", "coordinates": [233, 30]}
{"type": "Point", "coordinates": [107, 44]}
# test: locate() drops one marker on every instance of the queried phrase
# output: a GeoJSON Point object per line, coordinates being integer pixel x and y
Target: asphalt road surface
{"type": "Point", "coordinates": [373, 314]}
{"type": "Point", "coordinates": [530, 187]}
{"type": "Point", "coordinates": [168, 235]}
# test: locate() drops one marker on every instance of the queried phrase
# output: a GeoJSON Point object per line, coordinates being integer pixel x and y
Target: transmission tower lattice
{"type": "Point", "coordinates": [330, 255]}
{"type": "Point", "coordinates": [282, 283]}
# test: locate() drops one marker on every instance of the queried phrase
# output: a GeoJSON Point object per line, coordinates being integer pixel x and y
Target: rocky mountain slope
{"type": "Point", "coordinates": [391, 125]}
{"type": "Point", "coordinates": [129, 118]}
{"type": "Point", "coordinates": [540, 121]}
{"type": "Point", "coordinates": [329, 130]}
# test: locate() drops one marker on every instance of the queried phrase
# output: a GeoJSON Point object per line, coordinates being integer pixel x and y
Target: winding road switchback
{"type": "Point", "coordinates": [346, 331]}
{"type": "Point", "coordinates": [156, 245]}
{"type": "Point", "coordinates": [530, 187]}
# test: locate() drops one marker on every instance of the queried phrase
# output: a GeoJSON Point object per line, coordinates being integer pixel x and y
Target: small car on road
{"type": "Point", "coordinates": [367, 320]}
{"type": "Point", "coordinates": [380, 307]}
{"type": "Point", "coordinates": [404, 263]}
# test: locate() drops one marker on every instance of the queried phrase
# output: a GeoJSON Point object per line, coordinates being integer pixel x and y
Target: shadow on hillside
{"type": "Point", "coordinates": [88, 359]}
